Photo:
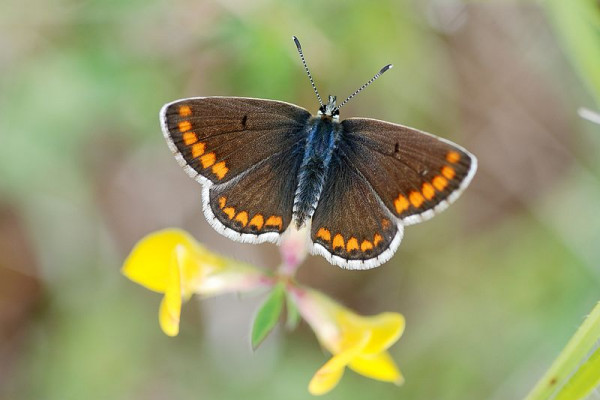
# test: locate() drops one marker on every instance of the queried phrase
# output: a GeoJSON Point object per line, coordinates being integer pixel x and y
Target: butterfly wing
{"type": "Point", "coordinates": [351, 227]}
{"type": "Point", "coordinates": [384, 176]}
{"type": "Point", "coordinates": [246, 152]}
{"type": "Point", "coordinates": [414, 173]}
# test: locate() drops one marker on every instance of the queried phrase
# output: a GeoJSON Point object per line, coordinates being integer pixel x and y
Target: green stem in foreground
{"type": "Point", "coordinates": [583, 382]}
{"type": "Point", "coordinates": [572, 355]}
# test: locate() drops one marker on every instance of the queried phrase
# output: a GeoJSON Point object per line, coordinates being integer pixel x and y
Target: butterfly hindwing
{"type": "Point", "coordinates": [246, 154]}
{"type": "Point", "coordinates": [350, 226]}
{"type": "Point", "coordinates": [257, 205]}
{"type": "Point", "coordinates": [415, 174]}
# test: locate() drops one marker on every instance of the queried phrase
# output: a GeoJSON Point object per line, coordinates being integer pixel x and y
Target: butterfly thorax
{"type": "Point", "coordinates": [329, 110]}
{"type": "Point", "coordinates": [322, 134]}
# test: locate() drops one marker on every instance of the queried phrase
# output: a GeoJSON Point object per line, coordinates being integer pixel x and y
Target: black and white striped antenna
{"type": "Point", "coordinates": [306, 68]}
{"type": "Point", "coordinates": [360, 89]}
{"type": "Point", "coordinates": [377, 75]}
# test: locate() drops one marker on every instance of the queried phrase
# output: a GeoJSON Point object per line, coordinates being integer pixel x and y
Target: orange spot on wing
{"type": "Point", "coordinates": [324, 234]}
{"type": "Point", "coordinates": [222, 201]}
{"type": "Point", "coordinates": [453, 156]}
{"type": "Point", "coordinates": [257, 221]}
{"type": "Point", "coordinates": [220, 169]}
{"type": "Point", "coordinates": [274, 222]}
{"type": "Point", "coordinates": [338, 241]}
{"type": "Point", "coordinates": [366, 245]}
{"type": "Point", "coordinates": [377, 239]}
{"type": "Point", "coordinates": [208, 159]}
{"type": "Point", "coordinates": [448, 172]}
{"type": "Point", "coordinates": [352, 244]}
{"type": "Point", "coordinates": [198, 150]}
{"type": "Point", "coordinates": [440, 182]}
{"type": "Point", "coordinates": [242, 218]}
{"type": "Point", "coordinates": [184, 126]}
{"type": "Point", "coordinates": [229, 211]}
{"type": "Point", "coordinates": [428, 191]}
{"type": "Point", "coordinates": [185, 111]}
{"type": "Point", "coordinates": [189, 138]}
{"type": "Point", "coordinates": [416, 199]}
{"type": "Point", "coordinates": [401, 204]}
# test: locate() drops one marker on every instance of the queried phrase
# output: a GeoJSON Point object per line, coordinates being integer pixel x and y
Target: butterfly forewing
{"type": "Point", "coordinates": [219, 138]}
{"type": "Point", "coordinates": [415, 174]}
{"type": "Point", "coordinates": [246, 152]}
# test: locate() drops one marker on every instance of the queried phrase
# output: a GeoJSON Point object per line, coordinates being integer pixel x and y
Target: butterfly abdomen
{"type": "Point", "coordinates": [321, 141]}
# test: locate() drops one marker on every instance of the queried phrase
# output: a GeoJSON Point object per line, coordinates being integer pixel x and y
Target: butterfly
{"type": "Point", "coordinates": [269, 166]}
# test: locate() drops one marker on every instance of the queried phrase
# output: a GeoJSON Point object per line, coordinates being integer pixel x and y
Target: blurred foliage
{"type": "Point", "coordinates": [578, 23]}
{"type": "Point", "coordinates": [491, 289]}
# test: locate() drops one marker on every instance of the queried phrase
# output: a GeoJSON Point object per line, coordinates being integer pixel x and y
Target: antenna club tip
{"type": "Point", "coordinates": [297, 42]}
{"type": "Point", "coordinates": [389, 66]}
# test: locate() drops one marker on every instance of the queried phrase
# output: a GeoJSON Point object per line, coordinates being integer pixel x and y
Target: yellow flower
{"type": "Point", "coordinates": [355, 341]}
{"type": "Point", "coordinates": [172, 262]}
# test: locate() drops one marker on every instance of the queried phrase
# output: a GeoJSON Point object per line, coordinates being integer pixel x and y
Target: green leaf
{"type": "Point", "coordinates": [293, 315]}
{"type": "Point", "coordinates": [586, 379]}
{"type": "Point", "coordinates": [267, 316]}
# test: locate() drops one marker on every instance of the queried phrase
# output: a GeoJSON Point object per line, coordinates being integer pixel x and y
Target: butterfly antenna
{"type": "Point", "coordinates": [306, 68]}
{"type": "Point", "coordinates": [377, 75]}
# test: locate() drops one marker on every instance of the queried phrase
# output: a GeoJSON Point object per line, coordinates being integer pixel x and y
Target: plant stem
{"type": "Point", "coordinates": [571, 356]}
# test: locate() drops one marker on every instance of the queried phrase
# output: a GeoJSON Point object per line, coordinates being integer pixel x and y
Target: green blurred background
{"type": "Point", "coordinates": [491, 289]}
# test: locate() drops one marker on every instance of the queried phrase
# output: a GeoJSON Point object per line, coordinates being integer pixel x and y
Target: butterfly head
{"type": "Point", "coordinates": [329, 110]}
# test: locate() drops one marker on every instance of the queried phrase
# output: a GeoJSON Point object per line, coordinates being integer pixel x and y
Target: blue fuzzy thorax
{"type": "Point", "coordinates": [322, 137]}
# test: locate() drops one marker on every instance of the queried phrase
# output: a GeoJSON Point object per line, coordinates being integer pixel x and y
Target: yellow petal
{"type": "Point", "coordinates": [380, 367]}
{"type": "Point", "coordinates": [190, 272]}
{"type": "Point", "coordinates": [148, 263]}
{"type": "Point", "coordinates": [172, 262]}
{"type": "Point", "coordinates": [330, 374]}
{"type": "Point", "coordinates": [170, 307]}
{"type": "Point", "coordinates": [385, 328]}
{"type": "Point", "coordinates": [168, 318]}
{"type": "Point", "coordinates": [352, 341]}
{"type": "Point", "coordinates": [324, 381]}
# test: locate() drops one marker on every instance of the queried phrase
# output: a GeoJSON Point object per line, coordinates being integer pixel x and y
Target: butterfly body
{"type": "Point", "coordinates": [323, 135]}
